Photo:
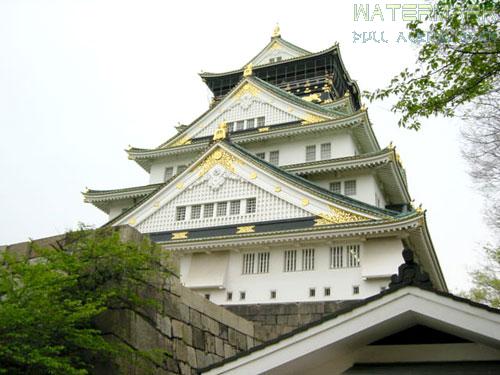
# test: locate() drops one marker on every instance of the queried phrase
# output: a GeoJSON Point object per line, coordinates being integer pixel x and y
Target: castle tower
{"type": "Point", "coordinates": [279, 192]}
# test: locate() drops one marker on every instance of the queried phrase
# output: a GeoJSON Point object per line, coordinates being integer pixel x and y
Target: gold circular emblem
{"type": "Point", "coordinates": [217, 155]}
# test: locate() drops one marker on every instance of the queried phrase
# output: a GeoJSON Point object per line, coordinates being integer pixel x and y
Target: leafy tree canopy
{"type": "Point", "coordinates": [458, 61]}
{"type": "Point", "coordinates": [48, 304]}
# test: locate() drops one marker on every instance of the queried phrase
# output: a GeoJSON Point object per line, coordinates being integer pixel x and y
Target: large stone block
{"type": "Point", "coordinates": [195, 319]}
{"type": "Point", "coordinates": [198, 338]}
{"type": "Point", "coordinates": [219, 347]}
{"type": "Point", "coordinates": [192, 357]}
{"type": "Point", "coordinates": [180, 350]}
{"type": "Point", "coordinates": [187, 334]}
{"type": "Point", "coordinates": [177, 327]}
{"type": "Point", "coordinates": [171, 305]}
{"type": "Point", "coordinates": [164, 324]}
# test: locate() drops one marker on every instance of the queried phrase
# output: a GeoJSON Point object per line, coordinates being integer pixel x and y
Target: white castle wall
{"type": "Point", "coordinates": [379, 258]}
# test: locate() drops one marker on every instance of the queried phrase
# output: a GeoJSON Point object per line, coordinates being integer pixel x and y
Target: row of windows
{"type": "Point", "coordinates": [349, 187]}
{"type": "Point", "coordinates": [341, 256]}
{"type": "Point", "coordinates": [220, 209]}
{"type": "Point", "coordinates": [325, 152]}
{"type": "Point", "coordinates": [274, 156]}
{"type": "Point", "coordinates": [250, 123]}
{"type": "Point", "coordinates": [273, 59]}
{"type": "Point", "coordinates": [169, 171]}
{"type": "Point", "coordinates": [273, 294]}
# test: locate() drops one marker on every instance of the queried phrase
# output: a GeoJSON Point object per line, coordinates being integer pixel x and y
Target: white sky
{"type": "Point", "coordinates": [80, 80]}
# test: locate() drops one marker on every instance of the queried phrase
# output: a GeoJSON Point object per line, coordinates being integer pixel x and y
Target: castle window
{"type": "Point", "coordinates": [181, 168]}
{"type": "Point", "coordinates": [355, 289]}
{"type": "Point", "coordinates": [261, 155]}
{"type": "Point", "coordinates": [261, 121]}
{"type": "Point", "coordinates": [248, 263]}
{"type": "Point", "coordinates": [290, 261]}
{"type": "Point", "coordinates": [243, 295]}
{"type": "Point", "coordinates": [278, 58]}
{"type": "Point", "coordinates": [251, 205]}
{"type": "Point", "coordinates": [273, 294]}
{"type": "Point", "coordinates": [229, 296]}
{"type": "Point", "coordinates": [207, 296]}
{"type": "Point", "coordinates": [271, 60]}
{"type": "Point", "coordinates": [274, 157]}
{"type": "Point", "coordinates": [335, 187]}
{"type": "Point", "coordinates": [208, 210]}
{"type": "Point", "coordinates": [353, 255]}
{"type": "Point", "coordinates": [251, 123]}
{"type": "Point", "coordinates": [327, 291]}
{"type": "Point", "coordinates": [312, 292]}
{"type": "Point", "coordinates": [168, 173]}
{"type": "Point", "coordinates": [222, 209]}
{"type": "Point", "coordinates": [240, 125]}
{"type": "Point", "coordinates": [230, 127]}
{"type": "Point", "coordinates": [337, 257]}
{"type": "Point", "coordinates": [311, 153]}
{"type": "Point", "coordinates": [263, 262]}
{"type": "Point", "coordinates": [180, 213]}
{"type": "Point", "coordinates": [350, 187]}
{"type": "Point", "coordinates": [326, 151]}
{"type": "Point", "coordinates": [196, 211]}
{"type": "Point", "coordinates": [307, 259]}
{"type": "Point", "coordinates": [234, 208]}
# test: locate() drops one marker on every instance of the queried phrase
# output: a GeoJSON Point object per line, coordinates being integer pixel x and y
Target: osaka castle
{"type": "Point", "coordinates": [280, 191]}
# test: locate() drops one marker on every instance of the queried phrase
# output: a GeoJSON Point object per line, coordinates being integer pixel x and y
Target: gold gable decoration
{"type": "Point", "coordinates": [338, 216]}
{"type": "Point", "coordinates": [221, 131]}
{"type": "Point", "coordinates": [311, 119]}
{"type": "Point", "coordinates": [247, 88]}
{"type": "Point", "coordinates": [276, 31]}
{"type": "Point", "coordinates": [218, 156]}
{"type": "Point", "coordinates": [182, 141]}
{"type": "Point", "coordinates": [248, 70]}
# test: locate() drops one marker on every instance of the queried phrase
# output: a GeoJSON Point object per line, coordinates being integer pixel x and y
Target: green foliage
{"type": "Point", "coordinates": [486, 280]}
{"type": "Point", "coordinates": [458, 61]}
{"type": "Point", "coordinates": [48, 304]}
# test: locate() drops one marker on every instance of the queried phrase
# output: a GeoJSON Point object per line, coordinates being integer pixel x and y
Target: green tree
{"type": "Point", "coordinates": [486, 280]}
{"type": "Point", "coordinates": [458, 61]}
{"type": "Point", "coordinates": [48, 304]}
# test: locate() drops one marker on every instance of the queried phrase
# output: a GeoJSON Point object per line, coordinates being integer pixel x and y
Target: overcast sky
{"type": "Point", "coordinates": [80, 80]}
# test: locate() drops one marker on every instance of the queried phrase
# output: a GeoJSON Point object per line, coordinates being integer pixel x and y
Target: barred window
{"type": "Point", "coordinates": [326, 151]}
{"type": "Point", "coordinates": [350, 187]}
{"type": "Point", "coordinates": [353, 255]}
{"type": "Point", "coordinates": [243, 295]}
{"type": "Point", "coordinates": [274, 157]}
{"type": "Point", "coordinates": [181, 168]}
{"type": "Point", "coordinates": [169, 172]}
{"type": "Point", "coordinates": [222, 209]}
{"type": "Point", "coordinates": [261, 121]}
{"type": "Point", "coordinates": [180, 213]}
{"type": "Point", "coordinates": [337, 257]}
{"type": "Point", "coordinates": [261, 155]}
{"type": "Point", "coordinates": [273, 294]}
{"type": "Point", "coordinates": [240, 125]}
{"type": "Point", "coordinates": [336, 187]}
{"type": "Point", "coordinates": [327, 291]}
{"type": "Point", "coordinates": [248, 263]}
{"type": "Point", "coordinates": [263, 262]}
{"type": "Point", "coordinates": [234, 208]}
{"type": "Point", "coordinates": [311, 153]}
{"type": "Point", "coordinates": [251, 123]}
{"type": "Point", "coordinates": [196, 211]}
{"type": "Point", "coordinates": [208, 210]}
{"type": "Point", "coordinates": [355, 289]}
{"type": "Point", "coordinates": [307, 259]}
{"type": "Point", "coordinates": [290, 261]}
{"type": "Point", "coordinates": [312, 292]}
{"type": "Point", "coordinates": [251, 205]}
{"type": "Point", "coordinates": [229, 296]}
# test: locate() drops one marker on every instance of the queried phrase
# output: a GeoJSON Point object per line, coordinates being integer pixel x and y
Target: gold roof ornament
{"type": "Point", "coordinates": [248, 70]}
{"type": "Point", "coordinates": [221, 131]}
{"type": "Point", "coordinates": [391, 146]}
{"type": "Point", "coordinates": [347, 93]}
{"type": "Point", "coordinates": [420, 209]}
{"type": "Point", "coordinates": [276, 31]}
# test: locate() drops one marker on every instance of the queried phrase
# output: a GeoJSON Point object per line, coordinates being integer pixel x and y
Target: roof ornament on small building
{"type": "Point", "coordinates": [248, 70]}
{"type": "Point", "coordinates": [410, 273]}
{"type": "Point", "coordinates": [276, 31]}
{"type": "Point", "coordinates": [221, 131]}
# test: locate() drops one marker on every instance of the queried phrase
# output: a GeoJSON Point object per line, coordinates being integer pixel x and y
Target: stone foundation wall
{"type": "Point", "coordinates": [272, 320]}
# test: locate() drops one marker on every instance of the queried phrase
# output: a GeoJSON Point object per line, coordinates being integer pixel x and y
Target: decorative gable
{"type": "Point", "coordinates": [232, 188]}
{"type": "Point", "coordinates": [248, 102]}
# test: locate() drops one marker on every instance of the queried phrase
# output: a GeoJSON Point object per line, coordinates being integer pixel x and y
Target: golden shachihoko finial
{"type": "Point", "coordinates": [276, 31]}
{"type": "Point", "coordinates": [221, 131]}
{"type": "Point", "coordinates": [248, 70]}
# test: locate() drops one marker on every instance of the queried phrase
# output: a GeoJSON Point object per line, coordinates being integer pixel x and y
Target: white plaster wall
{"type": "Point", "coordinates": [117, 207]}
{"type": "Point", "coordinates": [157, 172]}
{"type": "Point", "coordinates": [293, 151]}
{"type": "Point", "coordinates": [366, 186]}
{"type": "Point", "coordinates": [381, 257]}
{"type": "Point", "coordinates": [294, 286]}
